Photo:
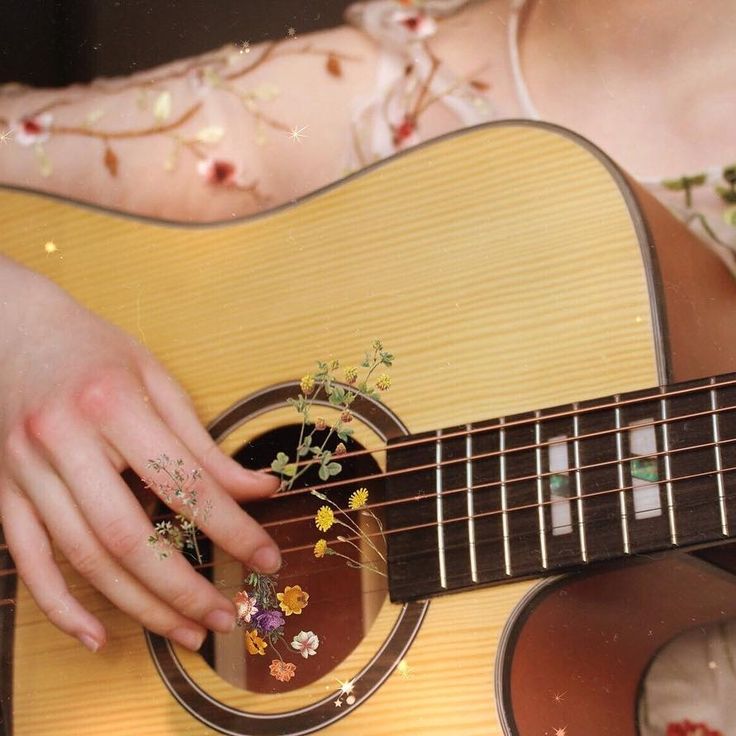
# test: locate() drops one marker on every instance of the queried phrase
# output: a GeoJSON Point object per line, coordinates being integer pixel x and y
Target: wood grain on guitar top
{"type": "Point", "coordinates": [505, 269]}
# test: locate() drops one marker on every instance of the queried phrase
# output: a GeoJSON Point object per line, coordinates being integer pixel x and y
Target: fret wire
{"type": "Point", "coordinates": [540, 489]}
{"type": "Point", "coordinates": [579, 486]}
{"type": "Point", "coordinates": [471, 517]}
{"type": "Point", "coordinates": [668, 471]}
{"type": "Point", "coordinates": [504, 498]}
{"type": "Point", "coordinates": [621, 479]}
{"type": "Point", "coordinates": [440, 517]}
{"type": "Point", "coordinates": [719, 460]}
{"type": "Point", "coordinates": [668, 392]}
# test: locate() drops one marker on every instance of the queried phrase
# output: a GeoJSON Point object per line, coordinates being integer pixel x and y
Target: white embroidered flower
{"type": "Point", "coordinates": [34, 129]}
{"type": "Point", "coordinates": [306, 643]}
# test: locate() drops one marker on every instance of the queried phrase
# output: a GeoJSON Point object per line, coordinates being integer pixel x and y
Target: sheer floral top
{"type": "Point", "coordinates": [409, 79]}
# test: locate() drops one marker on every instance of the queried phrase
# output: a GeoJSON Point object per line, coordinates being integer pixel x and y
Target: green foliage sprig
{"type": "Point", "coordinates": [340, 394]}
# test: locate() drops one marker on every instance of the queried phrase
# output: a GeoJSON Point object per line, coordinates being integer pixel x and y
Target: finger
{"type": "Point", "coordinates": [120, 524]}
{"type": "Point", "coordinates": [30, 547]}
{"type": "Point", "coordinates": [135, 429]}
{"type": "Point", "coordinates": [82, 549]}
{"type": "Point", "coordinates": [175, 408]}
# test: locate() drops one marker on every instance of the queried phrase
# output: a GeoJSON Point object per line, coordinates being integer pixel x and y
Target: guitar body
{"type": "Point", "coordinates": [508, 268]}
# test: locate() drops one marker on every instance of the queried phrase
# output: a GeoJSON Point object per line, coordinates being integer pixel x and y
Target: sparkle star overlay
{"type": "Point", "coordinates": [244, 47]}
{"type": "Point", "coordinates": [6, 135]}
{"type": "Point", "coordinates": [297, 134]}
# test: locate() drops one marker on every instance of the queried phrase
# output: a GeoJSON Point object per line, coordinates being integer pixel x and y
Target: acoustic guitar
{"type": "Point", "coordinates": [560, 419]}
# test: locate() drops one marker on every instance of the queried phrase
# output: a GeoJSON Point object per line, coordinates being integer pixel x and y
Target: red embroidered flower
{"type": "Point", "coordinates": [35, 129]}
{"type": "Point", "coordinates": [418, 24]}
{"type": "Point", "coordinates": [687, 728]}
{"type": "Point", "coordinates": [404, 130]}
{"type": "Point", "coordinates": [219, 172]}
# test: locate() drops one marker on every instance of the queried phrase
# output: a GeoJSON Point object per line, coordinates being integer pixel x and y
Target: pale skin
{"type": "Point", "coordinates": [81, 400]}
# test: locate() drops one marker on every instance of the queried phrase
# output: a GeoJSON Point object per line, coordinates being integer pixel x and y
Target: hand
{"type": "Point", "coordinates": [79, 401]}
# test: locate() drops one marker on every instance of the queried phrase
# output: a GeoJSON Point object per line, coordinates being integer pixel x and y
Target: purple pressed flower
{"type": "Point", "coordinates": [268, 621]}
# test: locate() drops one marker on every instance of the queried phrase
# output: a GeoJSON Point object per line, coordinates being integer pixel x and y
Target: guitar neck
{"type": "Point", "coordinates": [556, 489]}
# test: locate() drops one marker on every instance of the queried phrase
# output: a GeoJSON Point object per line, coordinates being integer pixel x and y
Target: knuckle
{"type": "Point", "coordinates": [85, 560]}
{"type": "Point", "coordinates": [43, 425]}
{"type": "Point", "coordinates": [16, 443]}
{"type": "Point", "coordinates": [186, 600]}
{"type": "Point", "coordinates": [120, 538]}
{"type": "Point", "coordinates": [102, 394]}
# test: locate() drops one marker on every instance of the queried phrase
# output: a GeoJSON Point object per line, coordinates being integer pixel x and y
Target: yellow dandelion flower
{"type": "Point", "coordinates": [307, 384]}
{"type": "Point", "coordinates": [254, 644]}
{"type": "Point", "coordinates": [320, 548]}
{"type": "Point", "coordinates": [383, 382]}
{"type": "Point", "coordinates": [358, 498]}
{"type": "Point", "coordinates": [324, 519]}
{"type": "Point", "coordinates": [351, 375]}
{"type": "Point", "coordinates": [293, 599]}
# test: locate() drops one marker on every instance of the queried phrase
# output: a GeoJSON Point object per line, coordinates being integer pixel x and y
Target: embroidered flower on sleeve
{"type": "Point", "coordinates": [417, 24]}
{"type": "Point", "coordinates": [219, 172]}
{"type": "Point", "coordinates": [306, 643]}
{"type": "Point", "coordinates": [34, 129]}
{"type": "Point", "coordinates": [687, 728]}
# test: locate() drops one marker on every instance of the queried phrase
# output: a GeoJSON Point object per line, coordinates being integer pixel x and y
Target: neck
{"type": "Point", "coordinates": [631, 35]}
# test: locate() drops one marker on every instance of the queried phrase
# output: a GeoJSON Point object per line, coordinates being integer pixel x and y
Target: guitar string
{"type": "Point", "coordinates": [463, 460]}
{"type": "Point", "coordinates": [433, 495]}
{"type": "Point", "coordinates": [485, 514]}
{"type": "Point", "coordinates": [404, 443]}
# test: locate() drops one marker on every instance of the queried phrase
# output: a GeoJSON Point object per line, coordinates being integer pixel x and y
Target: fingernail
{"type": "Point", "coordinates": [189, 638]}
{"type": "Point", "coordinates": [220, 620]}
{"type": "Point", "coordinates": [90, 642]}
{"type": "Point", "coordinates": [266, 559]}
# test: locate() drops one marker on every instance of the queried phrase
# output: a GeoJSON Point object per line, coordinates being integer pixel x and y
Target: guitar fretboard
{"type": "Point", "coordinates": [555, 489]}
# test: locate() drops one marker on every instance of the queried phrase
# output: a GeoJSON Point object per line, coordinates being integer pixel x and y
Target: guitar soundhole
{"type": "Point", "coordinates": [343, 600]}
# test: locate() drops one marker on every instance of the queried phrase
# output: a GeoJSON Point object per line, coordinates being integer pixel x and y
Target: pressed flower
{"type": "Point", "coordinates": [282, 671]}
{"type": "Point", "coordinates": [325, 518]}
{"type": "Point", "coordinates": [351, 375]}
{"type": "Point", "coordinates": [306, 643]}
{"type": "Point", "coordinates": [254, 644]}
{"type": "Point", "coordinates": [320, 423]}
{"type": "Point", "coordinates": [292, 600]}
{"type": "Point", "coordinates": [270, 620]}
{"type": "Point", "coordinates": [383, 382]}
{"type": "Point", "coordinates": [34, 129]}
{"type": "Point", "coordinates": [245, 606]}
{"type": "Point", "coordinates": [346, 416]}
{"type": "Point", "coordinates": [307, 384]}
{"type": "Point", "coordinates": [358, 498]}
{"type": "Point", "coordinates": [320, 548]}
{"type": "Point", "coordinates": [340, 449]}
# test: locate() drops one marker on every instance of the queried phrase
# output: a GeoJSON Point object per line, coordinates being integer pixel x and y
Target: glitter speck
{"type": "Point", "coordinates": [50, 247]}
{"type": "Point", "coordinates": [346, 687]}
{"type": "Point", "coordinates": [297, 134]}
{"type": "Point", "coordinates": [350, 699]}
{"type": "Point", "coordinates": [403, 669]}
{"type": "Point", "coordinates": [712, 665]}
{"type": "Point", "coordinates": [561, 731]}
{"type": "Point", "coordinates": [245, 47]}
{"type": "Point", "coordinates": [291, 32]}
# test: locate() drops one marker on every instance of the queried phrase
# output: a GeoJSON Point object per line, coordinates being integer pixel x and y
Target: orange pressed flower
{"type": "Point", "coordinates": [254, 644]}
{"type": "Point", "coordinates": [292, 600]}
{"type": "Point", "coordinates": [282, 671]}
